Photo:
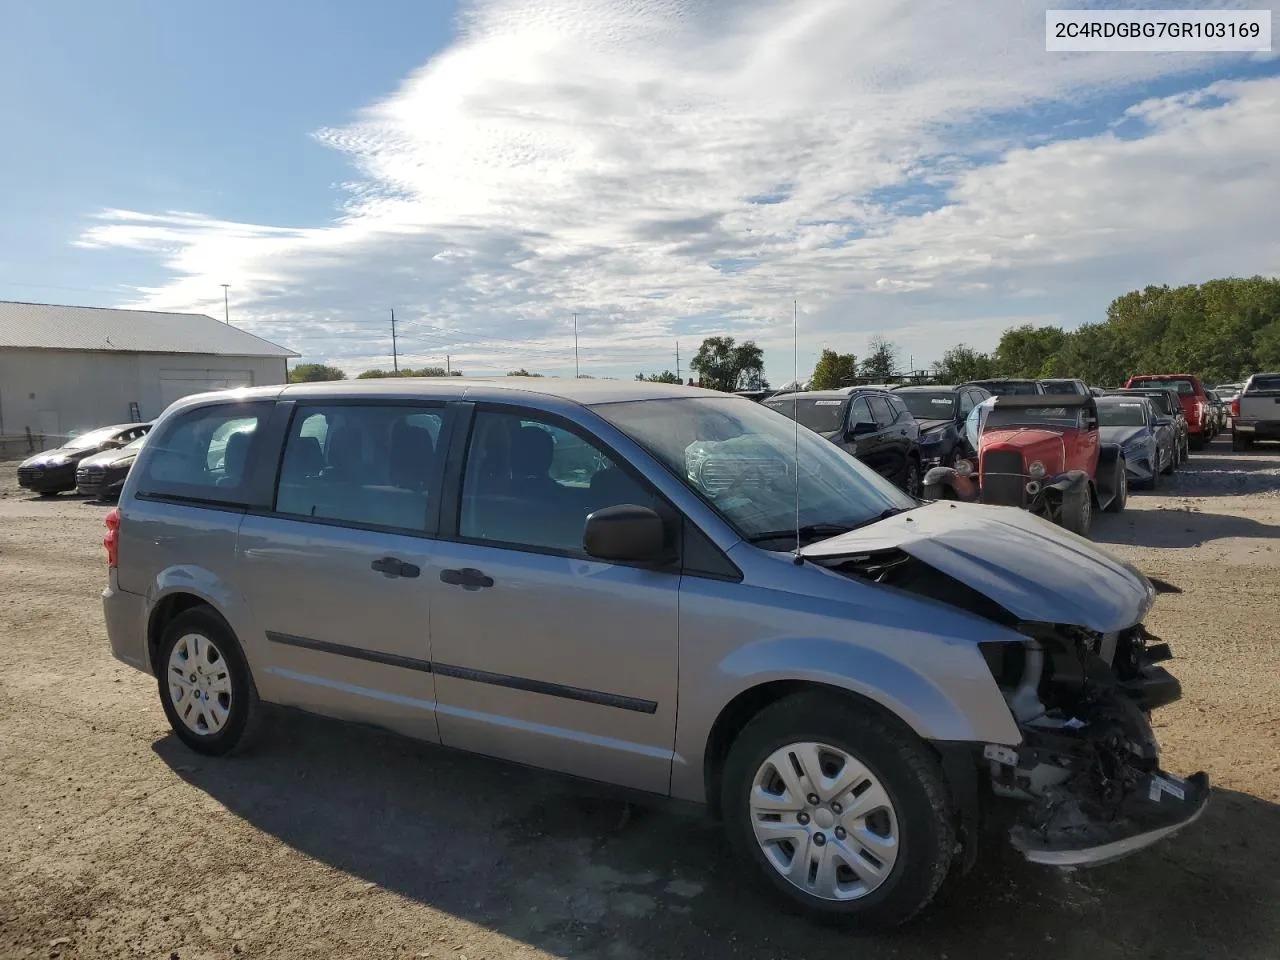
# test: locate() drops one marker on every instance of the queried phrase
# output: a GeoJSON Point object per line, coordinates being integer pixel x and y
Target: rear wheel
{"type": "Point", "coordinates": [1077, 511]}
{"type": "Point", "coordinates": [839, 809]}
{"type": "Point", "coordinates": [206, 689]}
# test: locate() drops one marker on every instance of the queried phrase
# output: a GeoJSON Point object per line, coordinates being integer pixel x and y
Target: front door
{"type": "Point", "coordinates": [868, 447]}
{"type": "Point", "coordinates": [541, 654]}
{"type": "Point", "coordinates": [337, 574]}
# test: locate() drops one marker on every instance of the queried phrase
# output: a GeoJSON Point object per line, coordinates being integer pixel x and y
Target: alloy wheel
{"type": "Point", "coordinates": [199, 684]}
{"type": "Point", "coordinates": [824, 821]}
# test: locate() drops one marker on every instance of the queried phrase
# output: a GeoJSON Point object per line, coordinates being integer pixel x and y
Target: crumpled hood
{"type": "Point", "coordinates": [1035, 570]}
{"type": "Point", "coordinates": [928, 425]}
{"type": "Point", "coordinates": [108, 458]}
{"type": "Point", "coordinates": [43, 459]}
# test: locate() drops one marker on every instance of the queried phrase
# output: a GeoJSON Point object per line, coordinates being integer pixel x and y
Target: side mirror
{"type": "Point", "coordinates": [628, 533]}
{"type": "Point", "coordinates": [1091, 423]}
{"type": "Point", "coordinates": [1164, 421]}
{"type": "Point", "coordinates": [862, 428]}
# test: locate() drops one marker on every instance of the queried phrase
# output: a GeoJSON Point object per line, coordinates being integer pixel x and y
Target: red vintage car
{"type": "Point", "coordinates": [1043, 454]}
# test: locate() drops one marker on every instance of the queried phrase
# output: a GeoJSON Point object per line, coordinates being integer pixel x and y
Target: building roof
{"type": "Point", "coordinates": [45, 326]}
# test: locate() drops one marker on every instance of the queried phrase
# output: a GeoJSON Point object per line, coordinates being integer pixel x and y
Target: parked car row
{"type": "Point", "coordinates": [95, 462]}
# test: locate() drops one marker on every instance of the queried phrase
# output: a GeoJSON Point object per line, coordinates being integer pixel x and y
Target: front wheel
{"type": "Point", "coordinates": [1077, 511]}
{"type": "Point", "coordinates": [911, 478]}
{"type": "Point", "coordinates": [839, 809]}
{"type": "Point", "coordinates": [1121, 497]}
{"type": "Point", "coordinates": [206, 689]}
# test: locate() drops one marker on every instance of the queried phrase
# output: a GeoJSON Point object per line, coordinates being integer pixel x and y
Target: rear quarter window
{"type": "Point", "coordinates": [204, 454]}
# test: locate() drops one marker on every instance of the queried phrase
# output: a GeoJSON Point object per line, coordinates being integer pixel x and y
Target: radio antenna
{"type": "Point", "coordinates": [797, 558]}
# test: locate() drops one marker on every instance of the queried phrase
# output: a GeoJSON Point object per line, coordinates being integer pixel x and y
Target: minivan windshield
{"type": "Point", "coordinates": [819, 414]}
{"type": "Point", "coordinates": [740, 457]}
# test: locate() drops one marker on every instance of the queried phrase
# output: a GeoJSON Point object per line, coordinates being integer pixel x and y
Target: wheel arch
{"type": "Point", "coordinates": [167, 609]}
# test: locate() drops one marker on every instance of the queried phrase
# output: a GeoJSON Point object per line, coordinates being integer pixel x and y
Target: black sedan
{"type": "Point", "coordinates": [54, 471]}
{"type": "Point", "coordinates": [103, 474]}
{"type": "Point", "coordinates": [941, 412]}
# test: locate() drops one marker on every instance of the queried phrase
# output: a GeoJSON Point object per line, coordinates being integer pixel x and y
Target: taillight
{"type": "Point", "coordinates": [112, 540]}
{"type": "Point", "coordinates": [1235, 407]}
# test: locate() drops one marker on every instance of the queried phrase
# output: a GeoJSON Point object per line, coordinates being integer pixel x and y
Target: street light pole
{"type": "Point", "coordinates": [575, 347]}
{"type": "Point", "coordinates": [226, 304]}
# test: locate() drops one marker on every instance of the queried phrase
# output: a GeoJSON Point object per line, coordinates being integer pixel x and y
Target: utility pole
{"type": "Point", "coordinates": [395, 357]}
{"type": "Point", "coordinates": [448, 367]}
{"type": "Point", "coordinates": [678, 361]}
{"type": "Point", "coordinates": [226, 304]}
{"type": "Point", "coordinates": [575, 347]}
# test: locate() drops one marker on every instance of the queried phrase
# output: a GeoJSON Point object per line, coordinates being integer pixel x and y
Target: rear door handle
{"type": "Point", "coordinates": [392, 567]}
{"type": "Point", "coordinates": [469, 578]}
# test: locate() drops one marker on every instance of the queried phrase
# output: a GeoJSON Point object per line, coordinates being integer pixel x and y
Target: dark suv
{"type": "Point", "coordinates": [873, 425]}
{"type": "Point", "coordinates": [941, 412]}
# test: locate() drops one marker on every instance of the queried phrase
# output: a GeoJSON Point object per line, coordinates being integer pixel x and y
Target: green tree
{"type": "Point", "coordinates": [522, 372]}
{"type": "Point", "coordinates": [1266, 349]}
{"type": "Point", "coordinates": [315, 373]}
{"type": "Point", "coordinates": [724, 364]}
{"type": "Point", "coordinates": [407, 372]}
{"type": "Point", "coordinates": [882, 359]}
{"type": "Point", "coordinates": [962, 363]}
{"type": "Point", "coordinates": [834, 370]}
{"type": "Point", "coordinates": [1024, 351]}
{"type": "Point", "coordinates": [666, 376]}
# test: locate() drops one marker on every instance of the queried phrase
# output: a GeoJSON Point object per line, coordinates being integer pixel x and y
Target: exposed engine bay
{"type": "Point", "coordinates": [1087, 771]}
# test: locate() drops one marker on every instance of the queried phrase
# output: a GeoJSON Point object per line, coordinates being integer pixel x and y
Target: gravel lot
{"type": "Point", "coordinates": [336, 841]}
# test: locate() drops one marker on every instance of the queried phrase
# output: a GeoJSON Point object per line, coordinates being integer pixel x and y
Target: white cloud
{"type": "Point", "coordinates": [674, 167]}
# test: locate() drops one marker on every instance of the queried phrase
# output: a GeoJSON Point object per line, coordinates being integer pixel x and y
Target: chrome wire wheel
{"type": "Point", "coordinates": [824, 821]}
{"type": "Point", "coordinates": [199, 684]}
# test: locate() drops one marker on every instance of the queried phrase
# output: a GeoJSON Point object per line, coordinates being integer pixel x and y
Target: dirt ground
{"type": "Point", "coordinates": [337, 841]}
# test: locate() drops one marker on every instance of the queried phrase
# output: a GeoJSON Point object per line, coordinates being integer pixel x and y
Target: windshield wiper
{"type": "Point", "coordinates": [808, 533]}
{"type": "Point", "coordinates": [882, 515]}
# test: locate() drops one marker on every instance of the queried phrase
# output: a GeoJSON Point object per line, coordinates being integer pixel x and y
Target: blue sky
{"type": "Point", "coordinates": [667, 169]}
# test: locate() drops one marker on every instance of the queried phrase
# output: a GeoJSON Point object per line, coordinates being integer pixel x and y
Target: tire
{"type": "Point", "coordinates": [1122, 489]}
{"type": "Point", "coordinates": [1196, 441]}
{"type": "Point", "coordinates": [911, 480]}
{"type": "Point", "coordinates": [1173, 462]}
{"type": "Point", "coordinates": [901, 770]}
{"type": "Point", "coordinates": [1239, 442]}
{"type": "Point", "coordinates": [201, 640]}
{"type": "Point", "coordinates": [1077, 512]}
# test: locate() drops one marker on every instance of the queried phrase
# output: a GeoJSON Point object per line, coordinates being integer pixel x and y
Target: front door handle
{"type": "Point", "coordinates": [468, 578]}
{"type": "Point", "coordinates": [392, 567]}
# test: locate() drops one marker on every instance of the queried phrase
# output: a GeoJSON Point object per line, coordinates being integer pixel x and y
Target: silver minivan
{"type": "Point", "coordinates": [668, 589]}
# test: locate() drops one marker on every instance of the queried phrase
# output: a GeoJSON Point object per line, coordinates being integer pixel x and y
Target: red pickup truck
{"type": "Point", "coordinates": [1195, 403]}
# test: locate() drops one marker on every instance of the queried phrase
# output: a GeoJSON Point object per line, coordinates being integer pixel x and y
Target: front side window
{"type": "Point", "coordinates": [860, 412]}
{"type": "Point", "coordinates": [742, 459]}
{"type": "Point", "coordinates": [881, 411]}
{"type": "Point", "coordinates": [966, 402]}
{"type": "Point", "coordinates": [371, 465]}
{"type": "Point", "coordinates": [204, 454]}
{"type": "Point", "coordinates": [530, 483]}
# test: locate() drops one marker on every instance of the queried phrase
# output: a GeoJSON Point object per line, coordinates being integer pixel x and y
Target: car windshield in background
{"type": "Point", "coordinates": [1185, 388]}
{"type": "Point", "coordinates": [820, 414]}
{"type": "Point", "coordinates": [1038, 416]}
{"type": "Point", "coordinates": [91, 439]}
{"type": "Point", "coordinates": [741, 458]}
{"type": "Point", "coordinates": [929, 406]}
{"type": "Point", "coordinates": [1059, 386]}
{"type": "Point", "coordinates": [1125, 413]}
{"type": "Point", "coordinates": [1264, 383]}
{"type": "Point", "coordinates": [1023, 389]}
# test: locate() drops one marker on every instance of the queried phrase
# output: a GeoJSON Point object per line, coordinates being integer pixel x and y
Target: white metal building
{"type": "Point", "coordinates": [70, 368]}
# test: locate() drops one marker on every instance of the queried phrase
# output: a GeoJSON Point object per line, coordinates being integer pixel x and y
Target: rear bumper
{"type": "Point", "coordinates": [1258, 429]}
{"type": "Point", "coordinates": [126, 618]}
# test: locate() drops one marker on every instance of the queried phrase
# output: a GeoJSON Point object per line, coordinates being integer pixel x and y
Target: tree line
{"type": "Point", "coordinates": [1221, 330]}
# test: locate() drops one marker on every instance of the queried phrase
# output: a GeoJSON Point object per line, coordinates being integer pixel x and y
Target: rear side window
{"type": "Point", "coordinates": [882, 411]}
{"type": "Point", "coordinates": [369, 465]}
{"type": "Point", "coordinates": [900, 410]}
{"type": "Point", "coordinates": [204, 454]}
